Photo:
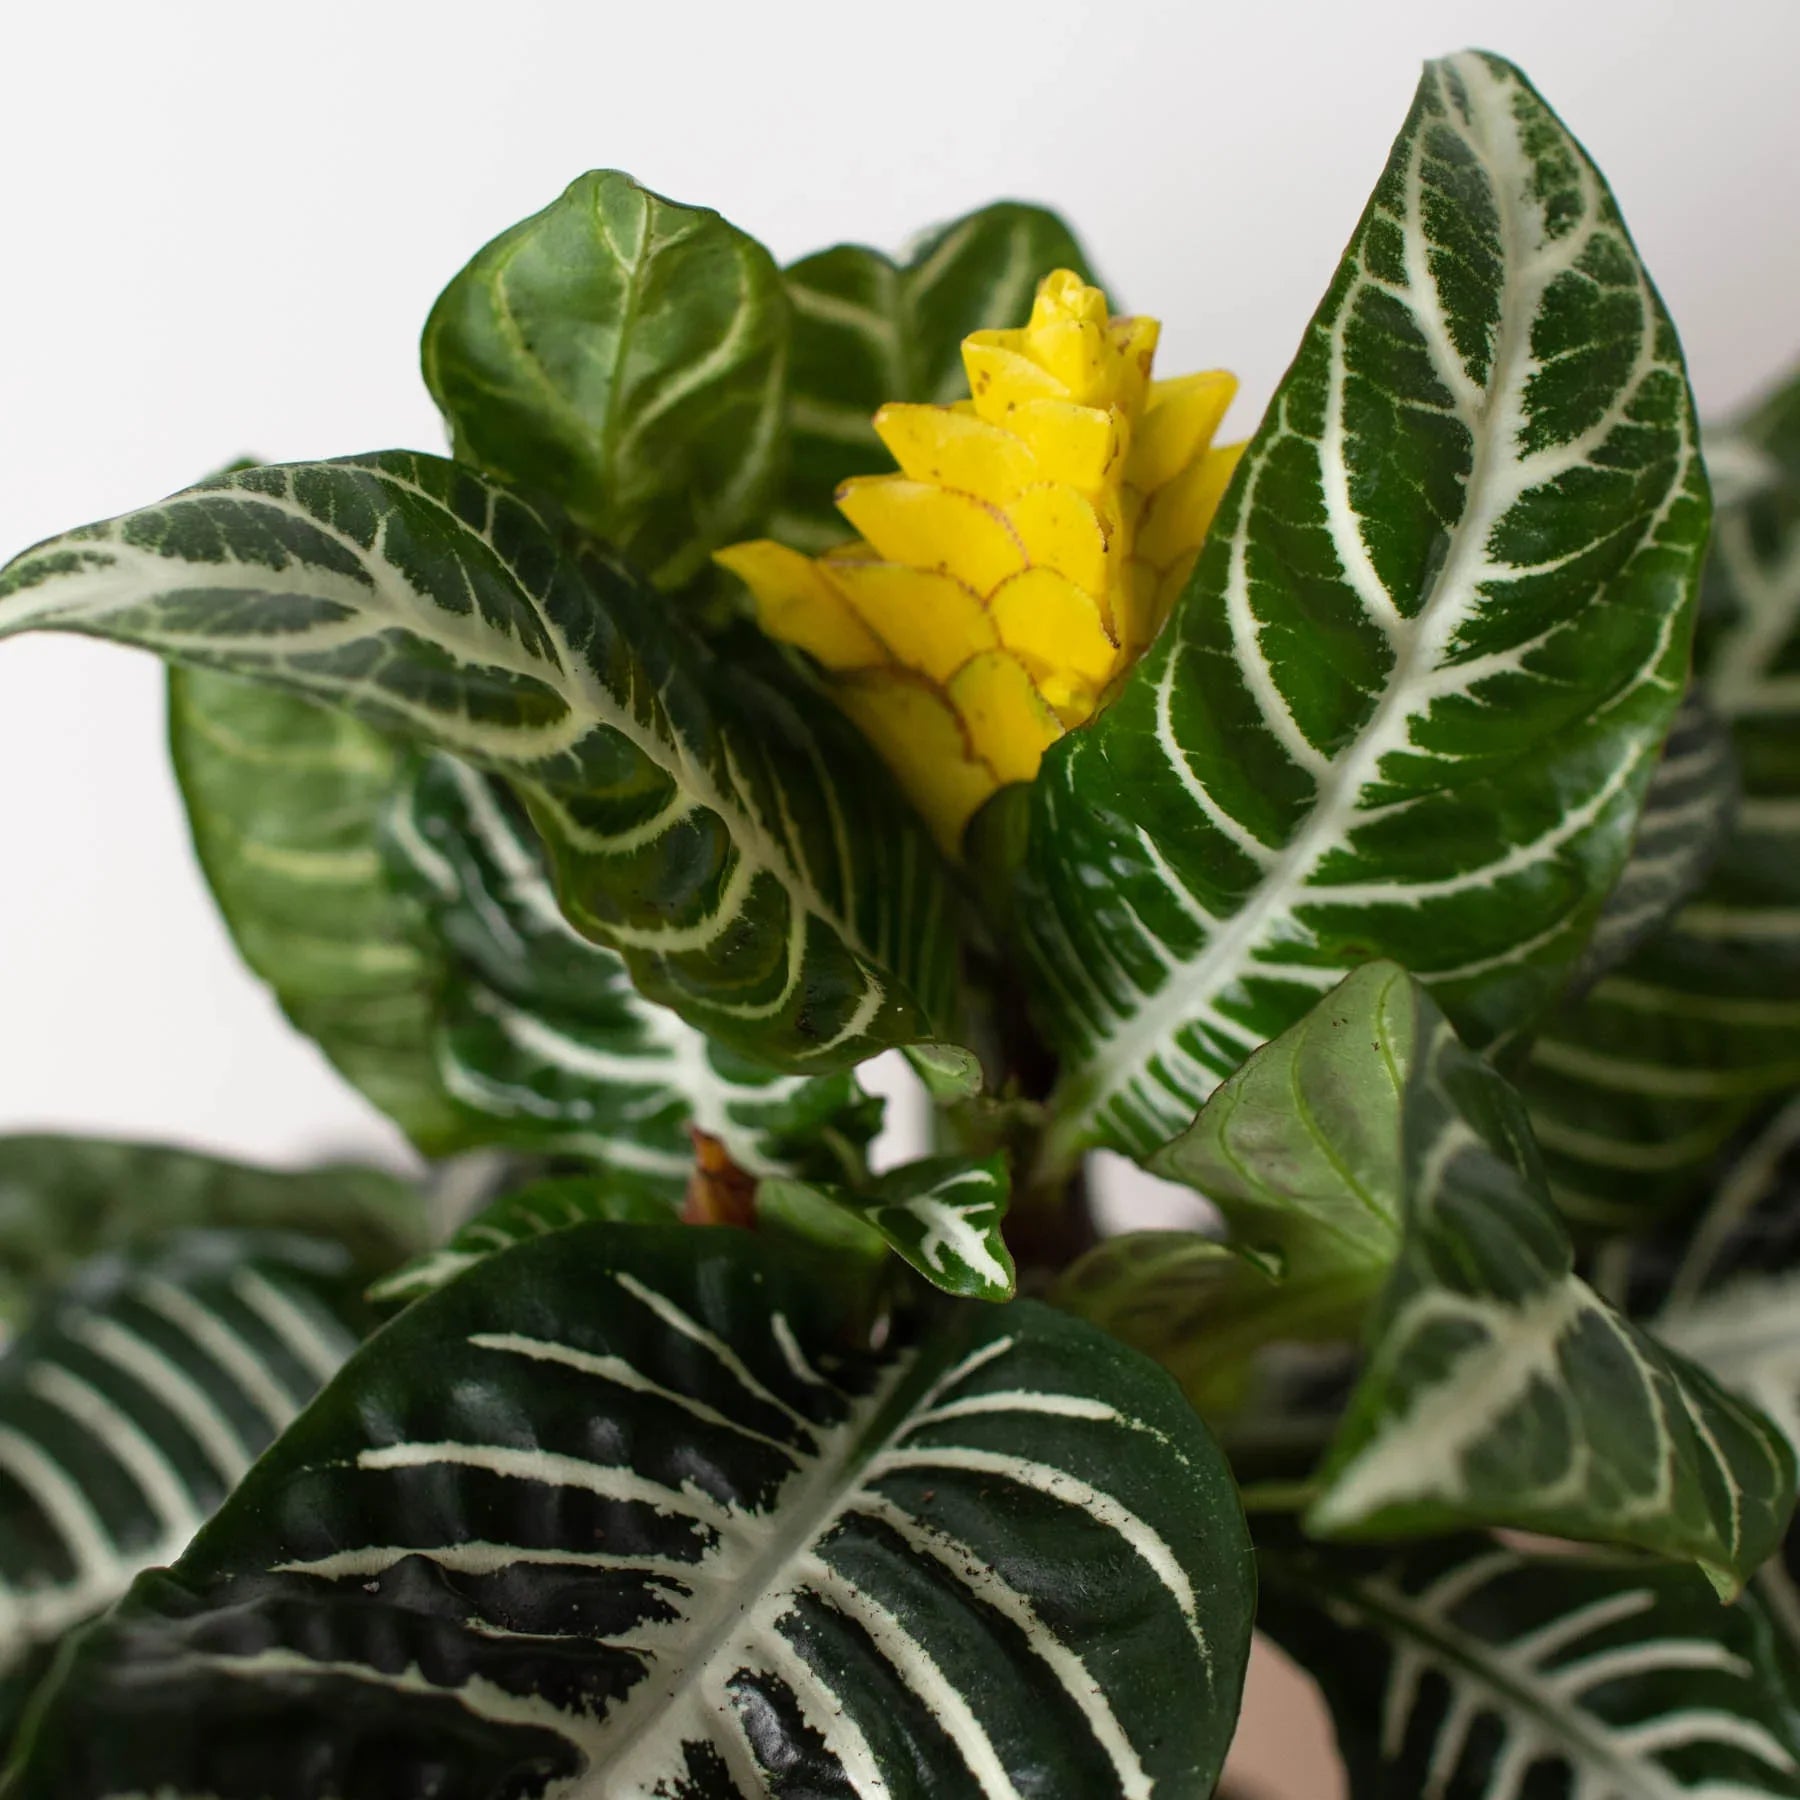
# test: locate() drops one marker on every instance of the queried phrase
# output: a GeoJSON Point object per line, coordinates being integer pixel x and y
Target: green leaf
{"type": "Point", "coordinates": [942, 1214]}
{"type": "Point", "coordinates": [621, 1511]}
{"type": "Point", "coordinates": [1208, 1314]}
{"type": "Point", "coordinates": [64, 1200]}
{"type": "Point", "coordinates": [1465, 1671]}
{"type": "Point", "coordinates": [1724, 1288]}
{"type": "Point", "coordinates": [628, 357]}
{"type": "Point", "coordinates": [546, 1044]}
{"type": "Point", "coordinates": [284, 800]}
{"type": "Point", "coordinates": [868, 330]}
{"type": "Point", "coordinates": [134, 1402]}
{"type": "Point", "coordinates": [1636, 1089]}
{"type": "Point", "coordinates": [1686, 821]}
{"type": "Point", "coordinates": [1500, 1389]}
{"type": "Point", "coordinates": [752, 864]}
{"type": "Point", "coordinates": [1301, 1149]}
{"type": "Point", "coordinates": [1410, 702]}
{"type": "Point", "coordinates": [551, 1203]}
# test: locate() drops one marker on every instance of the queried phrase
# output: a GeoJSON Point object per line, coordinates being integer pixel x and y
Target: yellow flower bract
{"type": "Point", "coordinates": [1025, 554]}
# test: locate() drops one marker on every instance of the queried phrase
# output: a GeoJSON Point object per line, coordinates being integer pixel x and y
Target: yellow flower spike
{"type": "Point", "coordinates": [1029, 549]}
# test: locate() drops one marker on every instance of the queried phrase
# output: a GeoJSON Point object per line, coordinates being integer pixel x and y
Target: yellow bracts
{"type": "Point", "coordinates": [1024, 556]}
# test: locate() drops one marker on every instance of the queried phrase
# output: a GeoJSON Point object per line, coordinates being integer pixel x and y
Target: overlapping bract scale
{"type": "Point", "coordinates": [1027, 549]}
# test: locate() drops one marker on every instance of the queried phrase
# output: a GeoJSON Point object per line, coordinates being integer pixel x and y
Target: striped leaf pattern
{"type": "Point", "coordinates": [626, 356]}
{"type": "Point", "coordinates": [1500, 1389]}
{"type": "Point", "coordinates": [1635, 1090]}
{"type": "Point", "coordinates": [756, 870]}
{"type": "Point", "coordinates": [1461, 1670]}
{"type": "Point", "coordinates": [1412, 698]}
{"type": "Point", "coordinates": [1688, 813]}
{"type": "Point", "coordinates": [64, 1200]}
{"type": "Point", "coordinates": [134, 1403]}
{"type": "Point", "coordinates": [868, 330]}
{"type": "Point", "coordinates": [285, 799]}
{"type": "Point", "coordinates": [620, 1512]}
{"type": "Point", "coordinates": [545, 1044]}
{"type": "Point", "coordinates": [942, 1214]}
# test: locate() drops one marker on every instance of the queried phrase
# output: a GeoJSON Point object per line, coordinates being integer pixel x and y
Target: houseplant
{"type": "Point", "coordinates": [1379, 827]}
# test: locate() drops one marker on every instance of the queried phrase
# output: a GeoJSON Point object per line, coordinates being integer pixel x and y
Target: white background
{"type": "Point", "coordinates": [222, 226]}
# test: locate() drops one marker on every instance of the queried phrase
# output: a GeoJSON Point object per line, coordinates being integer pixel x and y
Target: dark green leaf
{"type": "Point", "coordinates": [1500, 1389]}
{"type": "Point", "coordinates": [626, 356]}
{"type": "Point", "coordinates": [758, 872]}
{"type": "Point", "coordinates": [284, 799]}
{"type": "Point", "coordinates": [546, 1044]}
{"type": "Point", "coordinates": [1635, 1089]}
{"type": "Point", "coordinates": [621, 1512]}
{"type": "Point", "coordinates": [66, 1199]}
{"type": "Point", "coordinates": [868, 330]}
{"type": "Point", "coordinates": [1464, 1671]}
{"type": "Point", "coordinates": [1411, 700]}
{"type": "Point", "coordinates": [132, 1405]}
{"type": "Point", "coordinates": [942, 1214]}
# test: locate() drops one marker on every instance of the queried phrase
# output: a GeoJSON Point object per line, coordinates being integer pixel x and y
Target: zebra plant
{"type": "Point", "coordinates": [792, 666]}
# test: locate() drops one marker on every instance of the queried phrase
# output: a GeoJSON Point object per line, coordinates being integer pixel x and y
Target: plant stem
{"type": "Point", "coordinates": [1278, 1496]}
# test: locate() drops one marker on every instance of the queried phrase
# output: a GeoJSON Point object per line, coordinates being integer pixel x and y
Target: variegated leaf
{"type": "Point", "coordinates": [621, 1512]}
{"type": "Point", "coordinates": [1500, 1389]}
{"type": "Point", "coordinates": [1461, 1670]}
{"type": "Point", "coordinates": [754, 867]}
{"type": "Point", "coordinates": [549, 1204]}
{"type": "Point", "coordinates": [626, 356]}
{"type": "Point", "coordinates": [1636, 1089]}
{"type": "Point", "coordinates": [868, 330]}
{"type": "Point", "coordinates": [543, 1040]}
{"type": "Point", "coordinates": [942, 1214]}
{"type": "Point", "coordinates": [135, 1401]}
{"type": "Point", "coordinates": [1686, 821]}
{"type": "Point", "coordinates": [64, 1200]}
{"type": "Point", "coordinates": [284, 799]}
{"type": "Point", "coordinates": [1413, 695]}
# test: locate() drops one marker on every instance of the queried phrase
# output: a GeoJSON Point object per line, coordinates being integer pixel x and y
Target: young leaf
{"type": "Point", "coordinates": [1635, 1089]}
{"type": "Point", "coordinates": [620, 1511]}
{"type": "Point", "coordinates": [547, 1044]}
{"type": "Point", "coordinates": [626, 356]}
{"type": "Point", "coordinates": [134, 1402]}
{"type": "Point", "coordinates": [942, 1214]}
{"type": "Point", "coordinates": [1500, 1389]}
{"type": "Point", "coordinates": [284, 800]}
{"type": "Point", "coordinates": [1410, 702]}
{"type": "Point", "coordinates": [754, 867]}
{"type": "Point", "coordinates": [868, 330]}
{"type": "Point", "coordinates": [1465, 1671]}
{"type": "Point", "coordinates": [64, 1200]}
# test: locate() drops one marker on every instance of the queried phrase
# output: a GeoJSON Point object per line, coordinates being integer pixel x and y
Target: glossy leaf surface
{"type": "Point", "coordinates": [544, 1043]}
{"type": "Point", "coordinates": [1636, 1089]}
{"type": "Point", "coordinates": [620, 1512]}
{"type": "Point", "coordinates": [626, 356]}
{"type": "Point", "coordinates": [1465, 1671]}
{"type": "Point", "coordinates": [66, 1199]}
{"type": "Point", "coordinates": [1412, 697]}
{"type": "Point", "coordinates": [869, 330]}
{"type": "Point", "coordinates": [285, 800]}
{"type": "Point", "coordinates": [943, 1215]}
{"type": "Point", "coordinates": [754, 867]}
{"type": "Point", "coordinates": [132, 1404]}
